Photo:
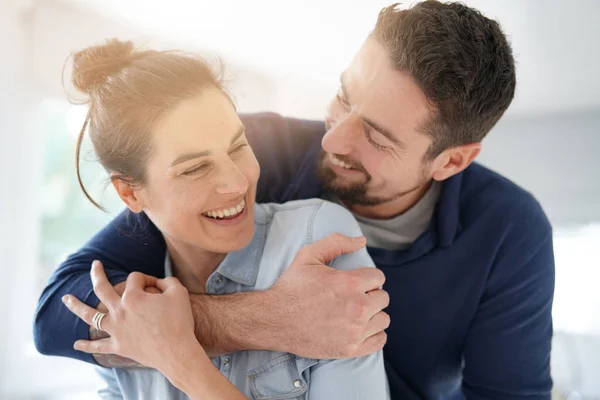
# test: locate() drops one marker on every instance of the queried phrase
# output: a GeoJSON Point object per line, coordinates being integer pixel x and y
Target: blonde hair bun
{"type": "Point", "coordinates": [94, 65]}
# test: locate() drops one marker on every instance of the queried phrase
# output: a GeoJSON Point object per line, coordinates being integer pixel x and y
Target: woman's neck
{"type": "Point", "coordinates": [192, 265]}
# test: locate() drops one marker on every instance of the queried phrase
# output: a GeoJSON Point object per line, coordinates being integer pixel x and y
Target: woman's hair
{"type": "Point", "coordinates": [128, 92]}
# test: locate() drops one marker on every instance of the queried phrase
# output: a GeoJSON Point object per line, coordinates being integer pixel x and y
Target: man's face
{"type": "Point", "coordinates": [373, 150]}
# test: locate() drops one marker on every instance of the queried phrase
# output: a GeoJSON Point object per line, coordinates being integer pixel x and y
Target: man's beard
{"type": "Point", "coordinates": [354, 193]}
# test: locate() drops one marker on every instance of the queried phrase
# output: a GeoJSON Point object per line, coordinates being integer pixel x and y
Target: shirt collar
{"type": "Point", "coordinates": [442, 230]}
{"type": "Point", "coordinates": [241, 266]}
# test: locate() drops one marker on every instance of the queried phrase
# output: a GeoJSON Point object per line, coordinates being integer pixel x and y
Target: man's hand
{"type": "Point", "coordinates": [320, 312]}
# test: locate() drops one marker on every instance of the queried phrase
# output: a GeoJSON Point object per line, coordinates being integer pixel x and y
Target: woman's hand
{"type": "Point", "coordinates": [155, 330]}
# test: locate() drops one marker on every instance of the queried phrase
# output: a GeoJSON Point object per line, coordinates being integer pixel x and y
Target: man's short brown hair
{"type": "Point", "coordinates": [460, 59]}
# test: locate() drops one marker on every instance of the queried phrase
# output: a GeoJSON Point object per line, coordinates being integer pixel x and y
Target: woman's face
{"type": "Point", "coordinates": [201, 177]}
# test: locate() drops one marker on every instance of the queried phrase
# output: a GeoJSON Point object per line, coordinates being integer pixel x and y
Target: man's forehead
{"type": "Point", "coordinates": [370, 62]}
{"type": "Point", "coordinates": [374, 86]}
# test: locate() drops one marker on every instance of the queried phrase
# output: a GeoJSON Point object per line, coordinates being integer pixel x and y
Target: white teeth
{"type": "Point", "coordinates": [338, 162]}
{"type": "Point", "coordinates": [227, 212]}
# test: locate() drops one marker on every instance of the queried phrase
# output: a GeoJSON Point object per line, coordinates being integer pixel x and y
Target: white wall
{"type": "Point", "coordinates": [19, 162]}
{"type": "Point", "coordinates": [556, 157]}
{"type": "Point", "coordinates": [59, 28]}
{"type": "Point", "coordinates": [23, 372]}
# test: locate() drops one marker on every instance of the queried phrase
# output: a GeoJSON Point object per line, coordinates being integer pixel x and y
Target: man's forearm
{"type": "Point", "coordinates": [223, 324]}
{"type": "Point", "coordinates": [235, 322]}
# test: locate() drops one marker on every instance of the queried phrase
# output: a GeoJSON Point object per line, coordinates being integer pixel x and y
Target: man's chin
{"type": "Point", "coordinates": [349, 192]}
{"type": "Point", "coordinates": [345, 191]}
{"type": "Point", "coordinates": [343, 187]}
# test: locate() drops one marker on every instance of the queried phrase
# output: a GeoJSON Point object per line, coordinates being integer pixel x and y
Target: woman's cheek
{"type": "Point", "coordinates": [190, 199]}
{"type": "Point", "coordinates": [250, 167]}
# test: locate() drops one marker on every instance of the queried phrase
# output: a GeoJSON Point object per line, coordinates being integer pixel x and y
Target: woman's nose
{"type": "Point", "coordinates": [232, 181]}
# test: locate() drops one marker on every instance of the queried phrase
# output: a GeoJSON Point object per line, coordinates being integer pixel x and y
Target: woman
{"type": "Point", "coordinates": [168, 135]}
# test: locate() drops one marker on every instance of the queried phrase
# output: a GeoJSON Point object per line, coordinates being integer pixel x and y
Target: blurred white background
{"type": "Point", "coordinates": [284, 56]}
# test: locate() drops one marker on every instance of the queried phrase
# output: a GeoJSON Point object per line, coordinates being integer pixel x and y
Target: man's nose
{"type": "Point", "coordinates": [342, 137]}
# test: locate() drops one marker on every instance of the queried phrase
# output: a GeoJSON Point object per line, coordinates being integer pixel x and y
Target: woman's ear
{"type": "Point", "coordinates": [128, 194]}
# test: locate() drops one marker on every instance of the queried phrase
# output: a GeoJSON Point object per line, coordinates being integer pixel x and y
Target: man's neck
{"type": "Point", "coordinates": [192, 265]}
{"type": "Point", "coordinates": [392, 208]}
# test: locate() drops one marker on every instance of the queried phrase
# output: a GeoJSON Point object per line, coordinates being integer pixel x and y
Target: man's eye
{"type": "Point", "coordinates": [373, 142]}
{"type": "Point", "coordinates": [342, 100]}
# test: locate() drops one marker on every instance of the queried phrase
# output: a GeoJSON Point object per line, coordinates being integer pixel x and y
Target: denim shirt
{"type": "Point", "coordinates": [280, 231]}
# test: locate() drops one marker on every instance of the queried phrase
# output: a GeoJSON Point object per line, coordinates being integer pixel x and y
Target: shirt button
{"type": "Point", "coordinates": [297, 383]}
{"type": "Point", "coordinates": [219, 279]}
{"type": "Point", "coordinates": [226, 361]}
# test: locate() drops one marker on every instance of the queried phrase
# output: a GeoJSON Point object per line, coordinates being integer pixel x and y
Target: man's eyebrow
{"type": "Point", "coordinates": [343, 87]}
{"type": "Point", "coordinates": [385, 132]}
{"type": "Point", "coordinates": [191, 156]}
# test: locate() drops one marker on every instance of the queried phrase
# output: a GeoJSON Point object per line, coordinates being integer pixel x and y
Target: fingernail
{"type": "Point", "coordinates": [76, 346]}
{"type": "Point", "coordinates": [359, 238]}
{"type": "Point", "coordinates": [66, 299]}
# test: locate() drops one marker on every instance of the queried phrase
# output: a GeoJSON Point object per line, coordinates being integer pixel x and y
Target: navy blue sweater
{"type": "Point", "coordinates": [471, 299]}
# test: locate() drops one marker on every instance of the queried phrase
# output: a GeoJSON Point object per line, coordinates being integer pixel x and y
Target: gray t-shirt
{"type": "Point", "coordinates": [400, 232]}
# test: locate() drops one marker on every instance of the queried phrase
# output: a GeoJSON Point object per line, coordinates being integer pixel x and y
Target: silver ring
{"type": "Point", "coordinates": [97, 320]}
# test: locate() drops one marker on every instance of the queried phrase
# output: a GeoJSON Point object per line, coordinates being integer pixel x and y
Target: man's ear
{"type": "Point", "coordinates": [128, 194]}
{"type": "Point", "coordinates": [454, 160]}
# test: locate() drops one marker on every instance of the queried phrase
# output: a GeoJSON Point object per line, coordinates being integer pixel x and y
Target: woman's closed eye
{"type": "Point", "coordinates": [238, 147]}
{"type": "Point", "coordinates": [205, 166]}
{"type": "Point", "coordinates": [196, 169]}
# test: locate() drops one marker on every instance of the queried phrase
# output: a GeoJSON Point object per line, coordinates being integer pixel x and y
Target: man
{"type": "Point", "coordinates": [467, 254]}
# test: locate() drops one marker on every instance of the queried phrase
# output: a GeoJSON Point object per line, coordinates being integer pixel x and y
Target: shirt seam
{"type": "Point", "coordinates": [310, 236]}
